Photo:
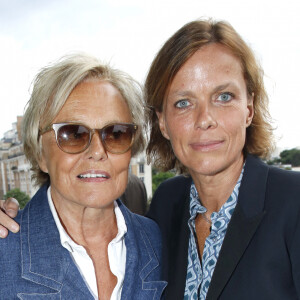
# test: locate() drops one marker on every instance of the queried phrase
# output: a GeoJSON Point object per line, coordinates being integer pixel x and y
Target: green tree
{"type": "Point", "coordinates": [274, 161]}
{"type": "Point", "coordinates": [291, 156]}
{"type": "Point", "coordinates": [159, 177]}
{"type": "Point", "coordinates": [22, 197]}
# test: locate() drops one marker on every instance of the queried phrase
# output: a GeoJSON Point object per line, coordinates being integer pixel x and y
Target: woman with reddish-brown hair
{"type": "Point", "coordinates": [230, 224]}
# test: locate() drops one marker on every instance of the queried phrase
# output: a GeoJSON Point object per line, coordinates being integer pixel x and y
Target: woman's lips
{"type": "Point", "coordinates": [206, 146]}
{"type": "Point", "coordinates": [93, 176]}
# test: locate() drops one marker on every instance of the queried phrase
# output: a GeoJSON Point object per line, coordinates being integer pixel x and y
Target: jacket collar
{"type": "Point", "coordinates": [139, 246]}
{"type": "Point", "coordinates": [49, 266]}
{"type": "Point", "coordinates": [244, 222]}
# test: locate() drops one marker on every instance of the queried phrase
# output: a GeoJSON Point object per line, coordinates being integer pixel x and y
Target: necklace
{"type": "Point", "coordinates": [207, 220]}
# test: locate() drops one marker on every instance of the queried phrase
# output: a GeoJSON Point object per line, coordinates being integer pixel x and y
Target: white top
{"type": "Point", "coordinates": [116, 253]}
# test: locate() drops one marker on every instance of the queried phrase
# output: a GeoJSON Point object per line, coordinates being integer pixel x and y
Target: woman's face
{"type": "Point", "coordinates": [207, 110]}
{"type": "Point", "coordinates": [94, 103]}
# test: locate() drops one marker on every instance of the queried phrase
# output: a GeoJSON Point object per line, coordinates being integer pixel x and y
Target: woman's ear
{"type": "Point", "coordinates": [43, 165]}
{"type": "Point", "coordinates": [250, 107]}
{"type": "Point", "coordinates": [162, 124]}
{"type": "Point", "coordinates": [41, 159]}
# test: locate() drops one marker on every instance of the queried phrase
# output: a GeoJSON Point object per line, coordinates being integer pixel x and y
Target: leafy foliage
{"type": "Point", "coordinates": [159, 177]}
{"type": "Point", "coordinates": [22, 197]}
{"type": "Point", "coordinates": [291, 156]}
{"type": "Point", "coordinates": [274, 161]}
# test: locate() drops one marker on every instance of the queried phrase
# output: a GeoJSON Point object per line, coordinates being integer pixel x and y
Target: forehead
{"type": "Point", "coordinates": [210, 63]}
{"type": "Point", "coordinates": [94, 100]}
{"type": "Point", "coordinates": [212, 58]}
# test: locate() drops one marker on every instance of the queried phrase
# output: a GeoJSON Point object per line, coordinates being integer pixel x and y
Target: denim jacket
{"type": "Point", "coordinates": [34, 265]}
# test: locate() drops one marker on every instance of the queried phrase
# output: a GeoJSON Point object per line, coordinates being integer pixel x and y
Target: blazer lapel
{"type": "Point", "coordinates": [244, 222]}
{"type": "Point", "coordinates": [146, 267]}
{"type": "Point", "coordinates": [170, 210]}
{"type": "Point", "coordinates": [141, 261]}
{"type": "Point", "coordinates": [176, 259]}
{"type": "Point", "coordinates": [44, 260]}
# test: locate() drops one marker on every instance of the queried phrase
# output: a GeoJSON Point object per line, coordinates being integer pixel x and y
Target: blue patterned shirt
{"type": "Point", "coordinates": [199, 276]}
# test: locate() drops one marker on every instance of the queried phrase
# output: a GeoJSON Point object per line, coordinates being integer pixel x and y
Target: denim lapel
{"type": "Point", "coordinates": [44, 260]}
{"type": "Point", "coordinates": [244, 222]}
{"type": "Point", "coordinates": [141, 261]}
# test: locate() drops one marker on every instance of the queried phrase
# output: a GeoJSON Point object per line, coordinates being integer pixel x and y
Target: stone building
{"type": "Point", "coordinates": [14, 168]}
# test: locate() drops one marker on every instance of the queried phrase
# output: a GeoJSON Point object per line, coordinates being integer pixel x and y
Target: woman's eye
{"type": "Point", "coordinates": [225, 97]}
{"type": "Point", "coordinates": [182, 103]}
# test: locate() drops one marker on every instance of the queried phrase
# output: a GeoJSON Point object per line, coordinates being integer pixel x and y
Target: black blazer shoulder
{"type": "Point", "coordinates": [169, 196]}
{"type": "Point", "coordinates": [170, 203]}
{"type": "Point", "coordinates": [170, 210]}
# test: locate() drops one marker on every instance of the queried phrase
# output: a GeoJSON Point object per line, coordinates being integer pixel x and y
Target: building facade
{"type": "Point", "coordinates": [14, 167]}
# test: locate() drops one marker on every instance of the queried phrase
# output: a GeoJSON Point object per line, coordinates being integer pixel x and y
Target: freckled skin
{"type": "Point", "coordinates": [208, 134]}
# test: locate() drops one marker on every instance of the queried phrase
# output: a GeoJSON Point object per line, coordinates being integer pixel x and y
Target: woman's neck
{"type": "Point", "coordinates": [88, 226]}
{"type": "Point", "coordinates": [214, 190]}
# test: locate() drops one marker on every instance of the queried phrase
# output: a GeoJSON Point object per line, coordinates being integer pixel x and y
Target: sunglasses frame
{"type": "Point", "coordinates": [56, 126]}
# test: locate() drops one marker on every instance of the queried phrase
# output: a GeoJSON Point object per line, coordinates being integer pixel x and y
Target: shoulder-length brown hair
{"type": "Point", "coordinates": [174, 53]}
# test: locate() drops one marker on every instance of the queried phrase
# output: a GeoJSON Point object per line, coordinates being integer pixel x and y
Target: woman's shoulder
{"type": "Point", "coordinates": [281, 188]}
{"type": "Point", "coordinates": [275, 176]}
{"type": "Point", "coordinates": [287, 174]}
{"type": "Point", "coordinates": [170, 199]}
{"type": "Point", "coordinates": [284, 185]}
{"type": "Point", "coordinates": [176, 181]}
{"type": "Point", "coordinates": [175, 187]}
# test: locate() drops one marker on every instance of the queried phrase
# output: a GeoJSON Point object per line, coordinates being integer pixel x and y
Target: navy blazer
{"type": "Point", "coordinates": [260, 255]}
{"type": "Point", "coordinates": [34, 265]}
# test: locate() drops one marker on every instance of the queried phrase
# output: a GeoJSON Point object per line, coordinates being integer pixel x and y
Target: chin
{"type": "Point", "coordinates": [98, 203]}
{"type": "Point", "coordinates": [207, 167]}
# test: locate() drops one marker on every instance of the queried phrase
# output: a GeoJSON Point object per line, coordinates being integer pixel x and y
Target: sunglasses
{"type": "Point", "coordinates": [75, 138]}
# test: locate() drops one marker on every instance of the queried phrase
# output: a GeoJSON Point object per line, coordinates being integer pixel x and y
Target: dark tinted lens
{"type": "Point", "coordinates": [118, 138]}
{"type": "Point", "coordinates": [73, 138]}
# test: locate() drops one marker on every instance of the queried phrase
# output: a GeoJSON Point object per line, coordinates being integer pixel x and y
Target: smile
{"type": "Point", "coordinates": [92, 176]}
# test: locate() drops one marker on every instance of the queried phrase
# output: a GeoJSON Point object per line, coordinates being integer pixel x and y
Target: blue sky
{"type": "Point", "coordinates": [129, 33]}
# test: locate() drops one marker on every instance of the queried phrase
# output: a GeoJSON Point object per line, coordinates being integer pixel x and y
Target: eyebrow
{"type": "Point", "coordinates": [181, 93]}
{"type": "Point", "coordinates": [187, 93]}
{"type": "Point", "coordinates": [222, 87]}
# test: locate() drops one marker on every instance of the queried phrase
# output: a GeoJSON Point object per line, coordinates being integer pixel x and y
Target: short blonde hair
{"type": "Point", "coordinates": [174, 53]}
{"type": "Point", "coordinates": [51, 88]}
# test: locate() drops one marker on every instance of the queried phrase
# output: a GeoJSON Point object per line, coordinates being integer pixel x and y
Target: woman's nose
{"type": "Point", "coordinates": [96, 149]}
{"type": "Point", "coordinates": [205, 118]}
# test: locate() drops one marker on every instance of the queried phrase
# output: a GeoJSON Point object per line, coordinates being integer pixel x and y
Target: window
{"type": "Point", "coordinates": [141, 168]}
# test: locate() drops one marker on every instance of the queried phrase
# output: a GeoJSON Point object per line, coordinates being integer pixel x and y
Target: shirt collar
{"type": "Point", "coordinates": [196, 207]}
{"type": "Point", "coordinates": [66, 240]}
